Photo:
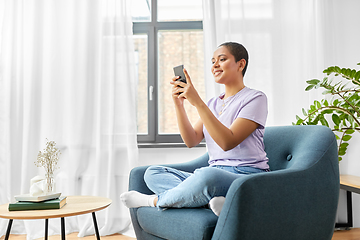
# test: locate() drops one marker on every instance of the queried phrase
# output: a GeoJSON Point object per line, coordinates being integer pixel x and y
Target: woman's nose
{"type": "Point", "coordinates": [216, 64]}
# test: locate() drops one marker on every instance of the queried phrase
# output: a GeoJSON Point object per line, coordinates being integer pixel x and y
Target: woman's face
{"type": "Point", "coordinates": [224, 68]}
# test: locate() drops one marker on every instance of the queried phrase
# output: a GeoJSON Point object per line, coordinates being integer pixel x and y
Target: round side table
{"type": "Point", "coordinates": [75, 205]}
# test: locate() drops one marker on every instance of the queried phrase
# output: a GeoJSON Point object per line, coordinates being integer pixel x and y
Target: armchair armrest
{"type": "Point", "coordinates": [137, 183]}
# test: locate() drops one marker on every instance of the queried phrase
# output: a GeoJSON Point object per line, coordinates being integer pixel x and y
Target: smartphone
{"type": "Point", "coordinates": [179, 71]}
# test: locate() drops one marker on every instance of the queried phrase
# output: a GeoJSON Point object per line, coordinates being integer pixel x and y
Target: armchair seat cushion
{"type": "Point", "coordinates": [178, 223]}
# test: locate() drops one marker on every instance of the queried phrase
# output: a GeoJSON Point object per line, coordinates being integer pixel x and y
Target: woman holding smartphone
{"type": "Point", "coordinates": [233, 127]}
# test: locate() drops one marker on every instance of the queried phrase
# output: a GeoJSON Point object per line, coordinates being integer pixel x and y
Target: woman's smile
{"type": "Point", "coordinates": [217, 72]}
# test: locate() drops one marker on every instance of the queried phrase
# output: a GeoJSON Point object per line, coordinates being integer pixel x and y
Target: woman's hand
{"type": "Point", "coordinates": [176, 90]}
{"type": "Point", "coordinates": [191, 135]}
{"type": "Point", "coordinates": [187, 90]}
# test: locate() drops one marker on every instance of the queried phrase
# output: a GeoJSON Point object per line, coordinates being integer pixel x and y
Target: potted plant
{"type": "Point", "coordinates": [341, 104]}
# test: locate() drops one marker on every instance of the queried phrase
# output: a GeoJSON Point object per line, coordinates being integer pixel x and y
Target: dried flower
{"type": "Point", "coordinates": [48, 158]}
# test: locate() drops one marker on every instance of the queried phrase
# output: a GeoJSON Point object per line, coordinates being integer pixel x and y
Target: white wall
{"type": "Point", "coordinates": [154, 156]}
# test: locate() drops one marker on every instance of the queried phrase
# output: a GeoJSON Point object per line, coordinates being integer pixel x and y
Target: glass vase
{"type": "Point", "coordinates": [49, 184]}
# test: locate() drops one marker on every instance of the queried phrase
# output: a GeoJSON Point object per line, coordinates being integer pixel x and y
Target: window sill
{"type": "Point", "coordinates": [167, 145]}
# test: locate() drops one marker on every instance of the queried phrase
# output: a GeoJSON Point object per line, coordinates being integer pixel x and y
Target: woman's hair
{"type": "Point", "coordinates": [238, 51]}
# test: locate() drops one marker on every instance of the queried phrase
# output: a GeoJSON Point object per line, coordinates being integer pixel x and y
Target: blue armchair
{"type": "Point", "coordinates": [296, 200]}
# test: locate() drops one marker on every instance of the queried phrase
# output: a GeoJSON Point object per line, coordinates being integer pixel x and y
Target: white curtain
{"type": "Point", "coordinates": [67, 74]}
{"type": "Point", "coordinates": [289, 42]}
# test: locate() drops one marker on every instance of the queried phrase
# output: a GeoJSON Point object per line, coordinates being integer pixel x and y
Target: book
{"type": "Point", "coordinates": [49, 204]}
{"type": "Point", "coordinates": [41, 198]}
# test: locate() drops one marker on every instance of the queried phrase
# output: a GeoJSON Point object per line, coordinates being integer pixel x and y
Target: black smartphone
{"type": "Point", "coordinates": [179, 71]}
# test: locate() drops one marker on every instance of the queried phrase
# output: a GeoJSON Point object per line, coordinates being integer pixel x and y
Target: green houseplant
{"type": "Point", "coordinates": [340, 106]}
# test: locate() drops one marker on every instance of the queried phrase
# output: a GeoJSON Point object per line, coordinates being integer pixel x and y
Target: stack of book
{"type": "Point", "coordinates": [55, 203]}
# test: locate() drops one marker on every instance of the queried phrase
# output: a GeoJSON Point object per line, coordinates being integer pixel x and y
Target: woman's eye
{"type": "Point", "coordinates": [222, 59]}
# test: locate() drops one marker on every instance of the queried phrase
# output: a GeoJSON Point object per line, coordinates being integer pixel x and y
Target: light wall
{"type": "Point", "coordinates": [154, 156]}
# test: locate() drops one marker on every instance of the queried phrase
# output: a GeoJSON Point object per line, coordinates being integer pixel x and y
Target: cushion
{"type": "Point", "coordinates": [172, 223]}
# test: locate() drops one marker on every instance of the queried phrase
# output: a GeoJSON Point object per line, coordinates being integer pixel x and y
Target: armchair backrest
{"type": "Point", "coordinates": [296, 147]}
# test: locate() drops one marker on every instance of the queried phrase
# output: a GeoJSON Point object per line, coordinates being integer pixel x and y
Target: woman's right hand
{"type": "Point", "coordinates": [176, 91]}
{"type": "Point", "coordinates": [192, 136]}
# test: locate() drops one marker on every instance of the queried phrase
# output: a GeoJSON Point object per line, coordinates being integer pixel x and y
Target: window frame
{"type": "Point", "coordinates": [151, 29]}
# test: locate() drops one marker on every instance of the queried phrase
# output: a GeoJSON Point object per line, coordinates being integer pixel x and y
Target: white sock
{"type": "Point", "coordinates": [216, 204]}
{"type": "Point", "coordinates": [134, 199]}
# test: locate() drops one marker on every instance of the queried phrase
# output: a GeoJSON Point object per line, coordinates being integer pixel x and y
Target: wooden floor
{"type": "Point", "coordinates": [73, 236]}
{"type": "Point", "coordinates": [353, 234]}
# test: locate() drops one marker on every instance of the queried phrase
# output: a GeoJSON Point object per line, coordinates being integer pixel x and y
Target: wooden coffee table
{"type": "Point", "coordinates": [75, 205]}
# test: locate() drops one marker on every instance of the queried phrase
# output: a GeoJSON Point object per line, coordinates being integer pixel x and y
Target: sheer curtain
{"type": "Point", "coordinates": [285, 41]}
{"type": "Point", "coordinates": [67, 74]}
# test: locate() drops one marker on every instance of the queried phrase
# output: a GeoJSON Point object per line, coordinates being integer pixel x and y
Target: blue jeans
{"type": "Point", "coordinates": [179, 189]}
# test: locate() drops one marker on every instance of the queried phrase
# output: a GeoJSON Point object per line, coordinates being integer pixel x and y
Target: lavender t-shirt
{"type": "Point", "coordinates": [249, 104]}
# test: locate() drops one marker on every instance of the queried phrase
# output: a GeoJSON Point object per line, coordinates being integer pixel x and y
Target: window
{"type": "Point", "coordinates": [167, 33]}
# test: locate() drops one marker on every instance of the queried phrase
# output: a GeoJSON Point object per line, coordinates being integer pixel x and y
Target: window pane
{"type": "Point", "coordinates": [184, 10]}
{"type": "Point", "coordinates": [141, 10]}
{"type": "Point", "coordinates": [141, 59]}
{"type": "Point", "coordinates": [176, 48]}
